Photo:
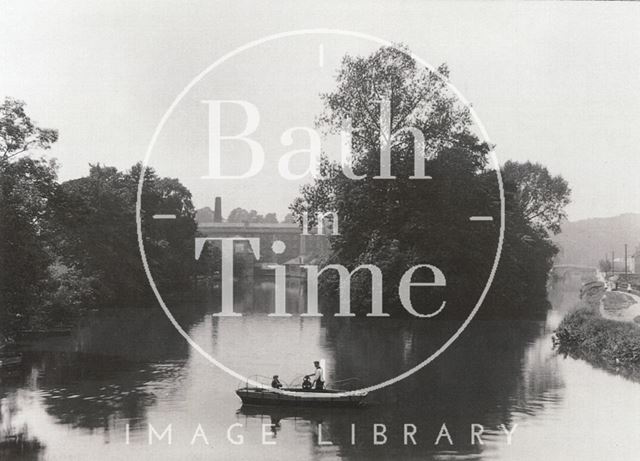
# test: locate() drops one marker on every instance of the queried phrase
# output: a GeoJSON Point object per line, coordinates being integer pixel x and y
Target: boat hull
{"type": "Point", "coordinates": [300, 398]}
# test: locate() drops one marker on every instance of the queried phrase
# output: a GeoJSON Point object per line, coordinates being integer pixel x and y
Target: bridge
{"type": "Point", "coordinates": [576, 267]}
{"type": "Point", "coordinates": [574, 272]}
{"type": "Point", "coordinates": [297, 246]}
{"type": "Point", "coordinates": [298, 249]}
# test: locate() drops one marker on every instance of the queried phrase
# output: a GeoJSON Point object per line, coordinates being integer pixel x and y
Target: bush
{"type": "Point", "coordinates": [585, 334]}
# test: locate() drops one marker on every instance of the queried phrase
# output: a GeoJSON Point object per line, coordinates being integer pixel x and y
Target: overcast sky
{"type": "Point", "coordinates": [556, 83]}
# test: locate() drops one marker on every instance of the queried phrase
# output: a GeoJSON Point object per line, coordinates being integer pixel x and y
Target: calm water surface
{"type": "Point", "coordinates": [74, 396]}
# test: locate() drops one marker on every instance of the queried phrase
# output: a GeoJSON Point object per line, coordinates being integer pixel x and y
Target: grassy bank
{"type": "Point", "coordinates": [607, 343]}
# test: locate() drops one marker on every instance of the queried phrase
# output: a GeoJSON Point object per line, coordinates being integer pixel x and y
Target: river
{"type": "Point", "coordinates": [95, 394]}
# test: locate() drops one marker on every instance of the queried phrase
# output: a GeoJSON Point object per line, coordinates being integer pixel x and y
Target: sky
{"type": "Point", "coordinates": [555, 83]}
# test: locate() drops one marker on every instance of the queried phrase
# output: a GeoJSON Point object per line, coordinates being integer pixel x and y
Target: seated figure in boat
{"type": "Point", "coordinates": [306, 384]}
{"type": "Point", "coordinates": [318, 376]}
{"type": "Point", "coordinates": [275, 382]}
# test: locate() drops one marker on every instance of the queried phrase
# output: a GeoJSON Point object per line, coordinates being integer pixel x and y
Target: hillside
{"type": "Point", "coordinates": [587, 241]}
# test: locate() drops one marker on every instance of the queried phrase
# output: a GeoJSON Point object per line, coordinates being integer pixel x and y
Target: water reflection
{"type": "Point", "coordinates": [75, 396]}
{"type": "Point", "coordinates": [15, 440]}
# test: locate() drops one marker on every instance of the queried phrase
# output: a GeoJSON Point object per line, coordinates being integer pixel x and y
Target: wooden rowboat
{"type": "Point", "coordinates": [299, 397]}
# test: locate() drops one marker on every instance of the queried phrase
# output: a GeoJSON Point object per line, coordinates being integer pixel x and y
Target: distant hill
{"type": "Point", "coordinates": [587, 241]}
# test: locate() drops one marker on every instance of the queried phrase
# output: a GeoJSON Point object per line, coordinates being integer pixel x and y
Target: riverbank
{"type": "Point", "coordinates": [603, 331]}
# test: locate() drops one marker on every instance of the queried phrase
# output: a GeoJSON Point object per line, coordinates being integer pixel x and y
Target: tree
{"type": "Point", "coordinates": [98, 235]}
{"type": "Point", "coordinates": [289, 219]}
{"type": "Point", "coordinates": [271, 218]}
{"type": "Point", "coordinates": [542, 198]}
{"type": "Point", "coordinates": [604, 265]}
{"type": "Point", "coordinates": [398, 223]}
{"type": "Point", "coordinates": [401, 222]}
{"type": "Point", "coordinates": [27, 186]}
{"type": "Point", "coordinates": [240, 215]}
{"type": "Point", "coordinates": [18, 133]}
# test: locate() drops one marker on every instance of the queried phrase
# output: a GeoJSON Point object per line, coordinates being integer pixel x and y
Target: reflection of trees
{"type": "Point", "coordinates": [495, 369]}
{"type": "Point", "coordinates": [492, 369]}
{"type": "Point", "coordinates": [257, 295]}
{"type": "Point", "coordinates": [78, 389]}
{"type": "Point", "coordinates": [15, 441]}
{"type": "Point", "coordinates": [140, 336]}
{"type": "Point", "coordinates": [111, 369]}
{"type": "Point", "coordinates": [379, 349]}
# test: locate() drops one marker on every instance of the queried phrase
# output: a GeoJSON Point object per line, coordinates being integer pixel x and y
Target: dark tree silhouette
{"type": "Point", "coordinates": [401, 222]}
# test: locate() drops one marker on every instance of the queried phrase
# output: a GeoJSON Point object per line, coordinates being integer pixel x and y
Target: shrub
{"type": "Point", "coordinates": [585, 334]}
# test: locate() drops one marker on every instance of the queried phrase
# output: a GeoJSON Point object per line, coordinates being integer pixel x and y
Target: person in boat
{"type": "Point", "coordinates": [306, 384]}
{"type": "Point", "coordinates": [318, 376]}
{"type": "Point", "coordinates": [275, 382]}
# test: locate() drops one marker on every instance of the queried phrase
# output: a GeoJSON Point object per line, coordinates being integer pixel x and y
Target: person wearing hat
{"type": "Point", "coordinates": [318, 376]}
{"type": "Point", "coordinates": [276, 382]}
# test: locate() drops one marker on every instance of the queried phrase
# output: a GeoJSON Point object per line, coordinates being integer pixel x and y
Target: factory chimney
{"type": "Point", "coordinates": [217, 211]}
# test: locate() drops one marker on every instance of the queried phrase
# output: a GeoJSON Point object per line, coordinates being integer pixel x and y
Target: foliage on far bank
{"type": "Point", "coordinates": [71, 246]}
{"type": "Point", "coordinates": [97, 232]}
{"type": "Point", "coordinates": [27, 186]}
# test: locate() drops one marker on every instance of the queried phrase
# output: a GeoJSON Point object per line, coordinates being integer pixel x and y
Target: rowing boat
{"type": "Point", "coordinates": [300, 397]}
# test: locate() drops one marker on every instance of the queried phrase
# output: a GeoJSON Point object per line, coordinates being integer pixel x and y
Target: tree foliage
{"type": "Point", "coordinates": [96, 214]}
{"type": "Point", "coordinates": [604, 265]}
{"type": "Point", "coordinates": [541, 197]}
{"type": "Point", "coordinates": [240, 215]}
{"type": "Point", "coordinates": [18, 133]}
{"type": "Point", "coordinates": [27, 187]}
{"type": "Point", "coordinates": [66, 247]}
{"type": "Point", "coordinates": [289, 218]}
{"type": "Point", "coordinates": [401, 222]}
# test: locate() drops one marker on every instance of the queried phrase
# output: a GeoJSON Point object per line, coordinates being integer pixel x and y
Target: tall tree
{"type": "Point", "coordinates": [27, 186]}
{"type": "Point", "coordinates": [397, 223]}
{"type": "Point", "coordinates": [18, 133]}
{"type": "Point", "coordinates": [400, 222]}
{"type": "Point", "coordinates": [541, 197]}
{"type": "Point", "coordinates": [97, 215]}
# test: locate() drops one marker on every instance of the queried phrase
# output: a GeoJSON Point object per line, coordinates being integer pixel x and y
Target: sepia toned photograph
{"type": "Point", "coordinates": [365, 230]}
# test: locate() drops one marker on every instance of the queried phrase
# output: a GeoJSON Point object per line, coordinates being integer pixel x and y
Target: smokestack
{"type": "Point", "coordinates": [217, 211]}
